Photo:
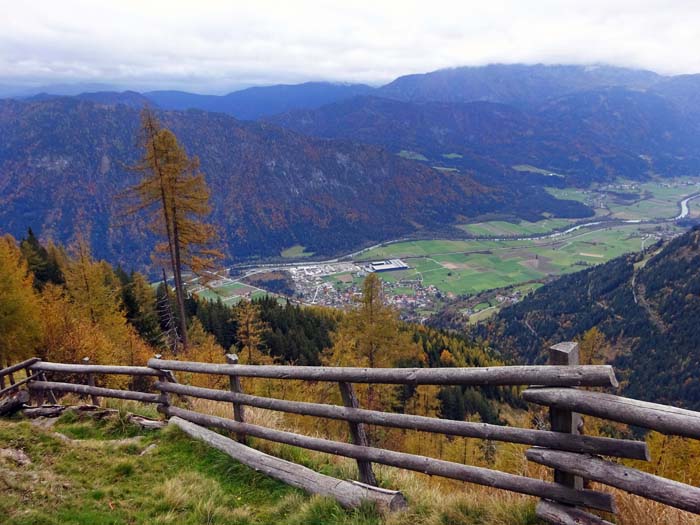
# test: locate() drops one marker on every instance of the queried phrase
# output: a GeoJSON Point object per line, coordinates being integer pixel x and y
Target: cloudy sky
{"type": "Point", "coordinates": [215, 46]}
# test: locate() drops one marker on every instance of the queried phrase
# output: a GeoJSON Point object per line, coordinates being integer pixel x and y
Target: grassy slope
{"type": "Point", "coordinates": [98, 480]}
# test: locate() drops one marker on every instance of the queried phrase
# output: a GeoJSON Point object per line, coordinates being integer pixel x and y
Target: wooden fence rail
{"type": "Point", "coordinates": [17, 367]}
{"type": "Point", "coordinates": [588, 375]}
{"type": "Point", "coordinates": [622, 448]}
{"type": "Point", "coordinates": [574, 457]}
{"type": "Point", "coordinates": [662, 418]}
{"type": "Point", "coordinates": [426, 465]}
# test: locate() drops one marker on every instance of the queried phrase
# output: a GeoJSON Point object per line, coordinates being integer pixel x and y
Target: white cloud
{"type": "Point", "coordinates": [213, 46]}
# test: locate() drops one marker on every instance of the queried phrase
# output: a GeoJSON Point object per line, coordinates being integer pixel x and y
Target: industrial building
{"type": "Point", "coordinates": [387, 266]}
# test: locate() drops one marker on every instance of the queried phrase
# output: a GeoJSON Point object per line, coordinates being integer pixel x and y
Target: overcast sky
{"type": "Point", "coordinates": [215, 46]}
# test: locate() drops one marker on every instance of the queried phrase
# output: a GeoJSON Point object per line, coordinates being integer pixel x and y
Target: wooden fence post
{"type": "Point", "coordinates": [49, 393]}
{"type": "Point", "coordinates": [164, 396]}
{"type": "Point", "coordinates": [565, 420]}
{"type": "Point", "coordinates": [37, 397]}
{"type": "Point", "coordinates": [91, 382]}
{"type": "Point", "coordinates": [235, 385]}
{"type": "Point", "coordinates": [358, 433]}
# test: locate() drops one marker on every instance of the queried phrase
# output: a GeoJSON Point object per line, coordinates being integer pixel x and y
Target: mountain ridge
{"type": "Point", "coordinates": [645, 304]}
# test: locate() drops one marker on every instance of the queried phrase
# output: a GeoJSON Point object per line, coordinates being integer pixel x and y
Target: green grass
{"type": "Point", "coordinates": [510, 229]}
{"type": "Point", "coordinates": [296, 252]}
{"type": "Point", "coordinates": [181, 482]}
{"type": "Point", "coordinates": [571, 194]}
{"type": "Point", "coordinates": [97, 481]}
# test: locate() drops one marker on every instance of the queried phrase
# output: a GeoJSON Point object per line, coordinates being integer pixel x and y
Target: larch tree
{"type": "Point", "coordinates": [173, 190]}
{"type": "Point", "coordinates": [371, 335]}
{"type": "Point", "coordinates": [249, 332]}
{"type": "Point", "coordinates": [20, 316]}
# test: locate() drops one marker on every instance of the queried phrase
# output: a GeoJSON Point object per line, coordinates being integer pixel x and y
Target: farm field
{"type": "Point", "coordinates": [633, 200]}
{"type": "Point", "coordinates": [658, 201]}
{"type": "Point", "coordinates": [506, 229]}
{"type": "Point", "coordinates": [296, 252]}
{"type": "Point", "coordinates": [468, 267]}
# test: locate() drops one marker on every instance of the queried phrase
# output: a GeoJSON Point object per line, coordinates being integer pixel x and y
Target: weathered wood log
{"type": "Point", "coordinates": [635, 481]}
{"type": "Point", "coordinates": [94, 369]}
{"type": "Point", "coordinates": [591, 375]}
{"type": "Point", "coordinates": [564, 420]}
{"type": "Point", "coordinates": [18, 384]}
{"type": "Point", "coordinates": [146, 422]}
{"type": "Point", "coordinates": [235, 386]}
{"type": "Point", "coordinates": [19, 366]}
{"type": "Point", "coordinates": [593, 445]}
{"type": "Point", "coordinates": [558, 514]}
{"type": "Point", "coordinates": [358, 433]}
{"type": "Point", "coordinates": [664, 419]}
{"type": "Point", "coordinates": [98, 391]}
{"type": "Point", "coordinates": [348, 494]}
{"type": "Point", "coordinates": [11, 404]}
{"type": "Point", "coordinates": [44, 411]}
{"type": "Point", "coordinates": [426, 465]}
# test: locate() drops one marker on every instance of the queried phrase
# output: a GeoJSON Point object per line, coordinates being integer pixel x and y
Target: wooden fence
{"type": "Point", "coordinates": [574, 457]}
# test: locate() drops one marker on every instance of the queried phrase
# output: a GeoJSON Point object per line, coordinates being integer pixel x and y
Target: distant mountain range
{"type": "Point", "coordinates": [256, 102]}
{"type": "Point", "coordinates": [586, 136]}
{"type": "Point", "coordinates": [523, 86]}
{"type": "Point", "coordinates": [337, 166]}
{"type": "Point", "coordinates": [647, 306]}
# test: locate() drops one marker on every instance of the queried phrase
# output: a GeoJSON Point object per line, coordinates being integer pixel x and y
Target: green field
{"type": "Point", "coordinates": [510, 229]}
{"type": "Point", "coordinates": [572, 194]}
{"type": "Point", "coordinates": [656, 199]}
{"type": "Point", "coordinates": [658, 202]}
{"type": "Point", "coordinates": [532, 169]}
{"type": "Point", "coordinates": [296, 252]}
{"type": "Point", "coordinates": [468, 267]}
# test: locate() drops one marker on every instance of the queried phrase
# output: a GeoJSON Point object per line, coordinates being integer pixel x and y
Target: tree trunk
{"type": "Point", "coordinates": [179, 287]}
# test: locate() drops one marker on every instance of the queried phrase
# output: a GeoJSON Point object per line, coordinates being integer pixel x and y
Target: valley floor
{"type": "Point", "coordinates": [495, 265]}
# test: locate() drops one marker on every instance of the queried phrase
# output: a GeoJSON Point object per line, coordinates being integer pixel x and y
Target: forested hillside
{"type": "Point", "coordinates": [64, 161]}
{"type": "Point", "coordinates": [587, 136]}
{"type": "Point", "coordinates": [639, 312]}
{"type": "Point", "coordinates": [63, 305]}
